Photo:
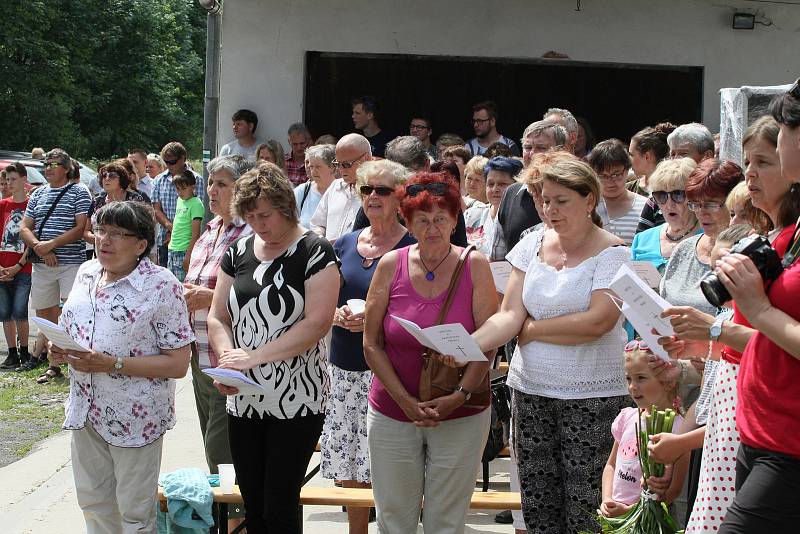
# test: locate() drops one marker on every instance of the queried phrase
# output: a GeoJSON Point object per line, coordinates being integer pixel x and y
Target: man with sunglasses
{"type": "Point", "coordinates": [484, 123]}
{"type": "Point", "coordinates": [339, 205]}
{"type": "Point", "coordinates": [52, 229]}
{"type": "Point", "coordinates": [165, 196]}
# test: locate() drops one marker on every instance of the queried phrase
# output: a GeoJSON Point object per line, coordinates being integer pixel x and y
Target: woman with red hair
{"type": "Point", "coordinates": [430, 448]}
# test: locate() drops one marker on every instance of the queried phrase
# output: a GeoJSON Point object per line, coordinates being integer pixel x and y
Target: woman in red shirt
{"type": "Point", "coordinates": [768, 462]}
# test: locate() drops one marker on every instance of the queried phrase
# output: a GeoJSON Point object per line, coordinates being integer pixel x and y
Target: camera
{"type": "Point", "coordinates": [759, 250]}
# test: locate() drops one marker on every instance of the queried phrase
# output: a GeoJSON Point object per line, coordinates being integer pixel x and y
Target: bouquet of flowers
{"type": "Point", "coordinates": [649, 515]}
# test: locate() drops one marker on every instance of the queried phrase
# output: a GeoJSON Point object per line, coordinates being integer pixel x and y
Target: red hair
{"type": "Point", "coordinates": [713, 179]}
{"type": "Point", "coordinates": [425, 201]}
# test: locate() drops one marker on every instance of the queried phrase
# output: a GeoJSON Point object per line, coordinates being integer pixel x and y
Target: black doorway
{"type": "Point", "coordinates": [618, 99]}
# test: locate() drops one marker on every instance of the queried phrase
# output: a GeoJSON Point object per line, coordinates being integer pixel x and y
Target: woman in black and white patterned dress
{"type": "Point", "coordinates": [259, 323]}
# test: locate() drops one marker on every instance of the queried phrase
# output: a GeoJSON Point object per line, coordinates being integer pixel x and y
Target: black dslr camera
{"type": "Point", "coordinates": [758, 249]}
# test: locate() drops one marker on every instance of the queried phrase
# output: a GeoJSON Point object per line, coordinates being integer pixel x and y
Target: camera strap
{"type": "Point", "coordinates": [793, 250]}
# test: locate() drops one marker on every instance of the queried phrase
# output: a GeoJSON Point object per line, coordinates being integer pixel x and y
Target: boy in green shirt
{"type": "Point", "coordinates": [189, 214]}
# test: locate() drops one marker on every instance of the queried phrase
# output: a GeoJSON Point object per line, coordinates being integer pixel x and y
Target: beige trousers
{"type": "Point", "coordinates": [116, 486]}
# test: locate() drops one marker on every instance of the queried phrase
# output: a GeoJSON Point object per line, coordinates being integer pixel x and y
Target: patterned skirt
{"type": "Point", "coordinates": [716, 489]}
{"type": "Point", "coordinates": [344, 447]}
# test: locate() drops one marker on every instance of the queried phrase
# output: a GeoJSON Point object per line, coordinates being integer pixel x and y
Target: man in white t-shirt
{"type": "Point", "coordinates": [244, 133]}
{"type": "Point", "coordinates": [339, 205]}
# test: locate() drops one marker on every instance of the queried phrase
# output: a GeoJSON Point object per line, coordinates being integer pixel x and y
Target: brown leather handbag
{"type": "Point", "coordinates": [438, 379]}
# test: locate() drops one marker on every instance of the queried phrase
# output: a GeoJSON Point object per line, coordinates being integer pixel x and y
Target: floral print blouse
{"type": "Point", "coordinates": [136, 316]}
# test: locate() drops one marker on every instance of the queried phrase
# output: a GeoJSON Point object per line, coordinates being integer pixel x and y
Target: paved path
{"type": "Point", "coordinates": [37, 495]}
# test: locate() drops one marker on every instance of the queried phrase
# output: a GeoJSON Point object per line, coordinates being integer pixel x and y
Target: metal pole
{"type": "Point", "coordinates": [211, 104]}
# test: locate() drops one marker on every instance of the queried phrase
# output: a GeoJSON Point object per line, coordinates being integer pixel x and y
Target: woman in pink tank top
{"type": "Point", "coordinates": [432, 448]}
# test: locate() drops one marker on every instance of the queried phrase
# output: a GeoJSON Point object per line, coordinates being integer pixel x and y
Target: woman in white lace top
{"type": "Point", "coordinates": [567, 374]}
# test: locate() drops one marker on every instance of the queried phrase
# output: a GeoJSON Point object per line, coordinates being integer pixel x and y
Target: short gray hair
{"type": "Point", "coordinates": [61, 155]}
{"type": "Point", "coordinates": [693, 133]}
{"type": "Point", "coordinates": [570, 122]}
{"type": "Point", "coordinates": [326, 153]}
{"type": "Point", "coordinates": [368, 169]}
{"type": "Point", "coordinates": [235, 165]}
{"type": "Point", "coordinates": [357, 141]}
{"type": "Point", "coordinates": [560, 134]}
{"type": "Point", "coordinates": [299, 127]}
{"type": "Point", "coordinates": [408, 151]}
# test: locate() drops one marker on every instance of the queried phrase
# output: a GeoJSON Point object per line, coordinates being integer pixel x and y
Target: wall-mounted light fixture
{"type": "Point", "coordinates": [212, 6]}
{"type": "Point", "coordinates": [744, 21]}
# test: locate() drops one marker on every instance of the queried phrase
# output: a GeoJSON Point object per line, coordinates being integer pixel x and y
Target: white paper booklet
{"type": "Point", "coordinates": [448, 339]}
{"type": "Point", "coordinates": [57, 334]}
{"type": "Point", "coordinates": [236, 379]}
{"type": "Point", "coordinates": [642, 307]}
{"type": "Point", "coordinates": [501, 270]}
{"type": "Point", "coordinates": [647, 272]}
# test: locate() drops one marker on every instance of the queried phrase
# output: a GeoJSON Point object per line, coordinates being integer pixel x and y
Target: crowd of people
{"type": "Point", "coordinates": [407, 229]}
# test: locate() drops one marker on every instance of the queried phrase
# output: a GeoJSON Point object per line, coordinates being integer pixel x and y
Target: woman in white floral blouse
{"type": "Point", "coordinates": [131, 317]}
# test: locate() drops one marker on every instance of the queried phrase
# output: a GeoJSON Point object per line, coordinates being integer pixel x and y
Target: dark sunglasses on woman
{"type": "Point", "coordinates": [434, 188]}
{"type": "Point", "coordinates": [380, 190]}
{"type": "Point", "coordinates": [678, 196]}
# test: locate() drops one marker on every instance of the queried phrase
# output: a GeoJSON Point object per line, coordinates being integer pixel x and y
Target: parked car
{"type": "Point", "coordinates": [35, 167]}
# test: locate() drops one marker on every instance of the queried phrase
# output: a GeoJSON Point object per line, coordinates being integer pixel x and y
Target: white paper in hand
{"type": "Point", "coordinates": [448, 339]}
{"type": "Point", "coordinates": [501, 270]}
{"type": "Point", "coordinates": [647, 272]}
{"type": "Point", "coordinates": [642, 307]}
{"type": "Point", "coordinates": [57, 335]}
{"type": "Point", "coordinates": [236, 379]}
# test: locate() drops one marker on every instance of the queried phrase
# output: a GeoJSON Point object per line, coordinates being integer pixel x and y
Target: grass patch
{"type": "Point", "coordinates": [29, 412]}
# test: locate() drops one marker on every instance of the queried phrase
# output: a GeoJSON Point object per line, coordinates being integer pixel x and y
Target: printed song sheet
{"type": "Point", "coordinates": [448, 339]}
{"type": "Point", "coordinates": [236, 379]}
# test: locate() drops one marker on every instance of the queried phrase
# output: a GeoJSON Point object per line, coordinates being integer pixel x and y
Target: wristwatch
{"type": "Point", "coordinates": [716, 329]}
{"type": "Point", "coordinates": [118, 364]}
{"type": "Point", "coordinates": [467, 393]}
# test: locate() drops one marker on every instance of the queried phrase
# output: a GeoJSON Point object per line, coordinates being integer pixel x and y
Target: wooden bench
{"type": "Point", "coordinates": [356, 497]}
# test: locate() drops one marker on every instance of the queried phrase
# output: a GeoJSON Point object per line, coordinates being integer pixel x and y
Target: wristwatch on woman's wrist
{"type": "Point", "coordinates": [118, 364]}
{"type": "Point", "coordinates": [467, 393]}
{"type": "Point", "coordinates": [716, 328]}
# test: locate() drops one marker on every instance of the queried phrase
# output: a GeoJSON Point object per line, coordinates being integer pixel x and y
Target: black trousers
{"type": "Point", "coordinates": [767, 488]}
{"type": "Point", "coordinates": [271, 457]}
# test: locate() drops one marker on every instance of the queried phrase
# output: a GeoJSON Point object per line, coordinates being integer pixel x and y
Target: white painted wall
{"type": "Point", "coordinates": [263, 42]}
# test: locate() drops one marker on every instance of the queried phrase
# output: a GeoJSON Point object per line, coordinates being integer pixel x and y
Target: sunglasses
{"type": "Point", "coordinates": [347, 164]}
{"type": "Point", "coordinates": [678, 196]}
{"type": "Point", "coordinates": [434, 188]}
{"type": "Point", "coordinates": [637, 344]}
{"type": "Point", "coordinates": [380, 190]}
{"type": "Point", "coordinates": [52, 165]}
{"type": "Point", "coordinates": [795, 89]}
{"type": "Point", "coordinates": [170, 161]}
{"type": "Point", "coordinates": [111, 175]}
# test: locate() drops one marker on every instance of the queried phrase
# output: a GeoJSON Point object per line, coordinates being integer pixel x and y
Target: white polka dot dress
{"type": "Point", "coordinates": [716, 488]}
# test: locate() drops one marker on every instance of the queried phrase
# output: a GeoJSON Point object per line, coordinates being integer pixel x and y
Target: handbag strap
{"type": "Point", "coordinates": [451, 290]}
{"type": "Point", "coordinates": [52, 208]}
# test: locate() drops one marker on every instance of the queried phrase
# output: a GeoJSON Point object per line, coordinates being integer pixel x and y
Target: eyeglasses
{"type": "Point", "coordinates": [614, 176]}
{"type": "Point", "coordinates": [480, 121]}
{"type": "Point", "coordinates": [111, 175]}
{"type": "Point", "coordinates": [795, 89]}
{"type": "Point", "coordinates": [52, 165]}
{"type": "Point", "coordinates": [678, 196]}
{"type": "Point", "coordinates": [419, 127]}
{"type": "Point", "coordinates": [102, 233]}
{"type": "Point", "coordinates": [380, 190]}
{"type": "Point", "coordinates": [171, 161]}
{"type": "Point", "coordinates": [434, 188]}
{"type": "Point", "coordinates": [347, 164]}
{"type": "Point", "coordinates": [637, 344]}
{"type": "Point", "coordinates": [708, 206]}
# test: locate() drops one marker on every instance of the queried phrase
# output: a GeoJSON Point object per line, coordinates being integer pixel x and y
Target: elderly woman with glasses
{"type": "Point", "coordinates": [345, 454]}
{"type": "Point", "coordinates": [130, 317]}
{"type": "Point", "coordinates": [481, 219]}
{"type": "Point", "coordinates": [618, 208]}
{"type": "Point", "coordinates": [429, 448]}
{"type": "Point", "coordinates": [115, 180]}
{"type": "Point", "coordinates": [669, 193]}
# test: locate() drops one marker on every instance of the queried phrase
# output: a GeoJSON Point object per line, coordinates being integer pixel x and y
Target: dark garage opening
{"type": "Point", "coordinates": [617, 99]}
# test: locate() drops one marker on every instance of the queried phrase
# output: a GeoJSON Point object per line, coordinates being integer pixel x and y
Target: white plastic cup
{"type": "Point", "coordinates": [357, 305]}
{"type": "Point", "coordinates": [227, 478]}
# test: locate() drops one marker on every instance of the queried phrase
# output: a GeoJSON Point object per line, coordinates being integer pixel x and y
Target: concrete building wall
{"type": "Point", "coordinates": [264, 42]}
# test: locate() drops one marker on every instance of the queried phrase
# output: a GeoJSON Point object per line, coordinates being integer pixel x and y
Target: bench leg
{"type": "Point", "coordinates": [485, 476]}
{"type": "Point", "coordinates": [223, 518]}
{"type": "Point", "coordinates": [300, 522]}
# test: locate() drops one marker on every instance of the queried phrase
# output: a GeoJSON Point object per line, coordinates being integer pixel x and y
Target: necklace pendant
{"type": "Point", "coordinates": [430, 276]}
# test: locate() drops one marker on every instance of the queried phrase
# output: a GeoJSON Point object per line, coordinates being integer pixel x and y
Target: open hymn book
{"type": "Point", "coordinates": [447, 339]}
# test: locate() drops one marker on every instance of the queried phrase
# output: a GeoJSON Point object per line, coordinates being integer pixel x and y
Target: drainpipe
{"type": "Point", "coordinates": [211, 104]}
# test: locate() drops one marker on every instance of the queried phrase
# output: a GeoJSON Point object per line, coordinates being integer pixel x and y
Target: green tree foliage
{"type": "Point", "coordinates": [97, 77]}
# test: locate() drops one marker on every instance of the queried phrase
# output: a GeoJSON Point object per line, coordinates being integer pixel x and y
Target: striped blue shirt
{"type": "Point", "coordinates": [75, 202]}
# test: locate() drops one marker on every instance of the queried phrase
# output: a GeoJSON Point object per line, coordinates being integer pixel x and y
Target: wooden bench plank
{"type": "Point", "coordinates": [362, 498]}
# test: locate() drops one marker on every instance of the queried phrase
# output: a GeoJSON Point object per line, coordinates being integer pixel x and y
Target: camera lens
{"type": "Point", "coordinates": [714, 291]}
